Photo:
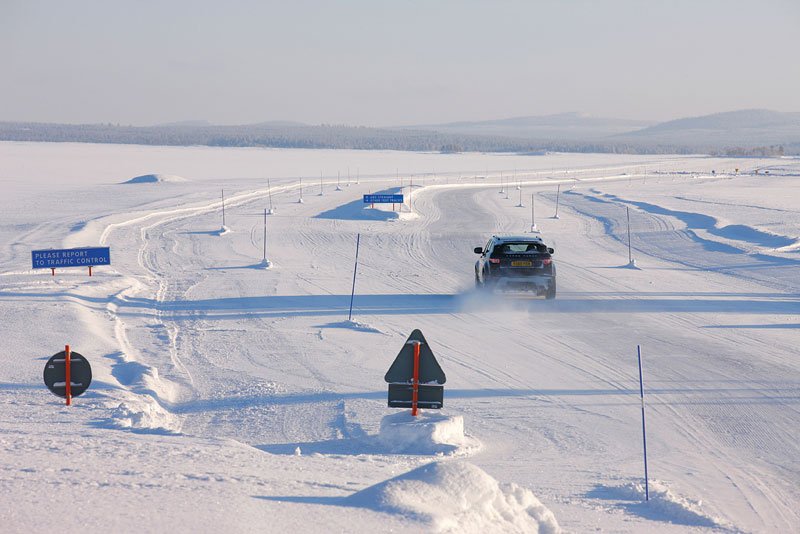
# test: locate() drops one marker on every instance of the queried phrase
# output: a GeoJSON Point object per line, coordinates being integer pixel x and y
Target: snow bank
{"type": "Point", "coordinates": [428, 433]}
{"type": "Point", "coordinates": [662, 506]}
{"type": "Point", "coordinates": [354, 325]}
{"type": "Point", "coordinates": [358, 211]}
{"type": "Point", "coordinates": [155, 178]}
{"type": "Point", "coordinates": [746, 237]}
{"type": "Point", "coordinates": [144, 414]}
{"type": "Point", "coordinates": [459, 497]}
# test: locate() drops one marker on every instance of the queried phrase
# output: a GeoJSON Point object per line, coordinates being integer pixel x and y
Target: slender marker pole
{"type": "Point", "coordinates": [355, 271]}
{"type": "Point", "coordinates": [533, 215]}
{"type": "Point", "coordinates": [265, 235]}
{"type": "Point", "coordinates": [67, 372]}
{"type": "Point", "coordinates": [269, 192]}
{"type": "Point", "coordinates": [90, 270]}
{"type": "Point", "coordinates": [320, 184]}
{"type": "Point", "coordinates": [558, 194]}
{"type": "Point", "coordinates": [628, 215]}
{"type": "Point", "coordinates": [415, 380]}
{"type": "Point", "coordinates": [223, 208]}
{"type": "Point", "coordinates": [644, 433]}
{"type": "Point", "coordinates": [52, 271]}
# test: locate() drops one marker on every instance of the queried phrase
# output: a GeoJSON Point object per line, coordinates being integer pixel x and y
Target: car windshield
{"type": "Point", "coordinates": [521, 248]}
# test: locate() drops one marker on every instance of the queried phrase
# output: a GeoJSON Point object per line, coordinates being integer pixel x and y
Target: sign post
{"type": "Point", "coordinates": [415, 377]}
{"type": "Point", "coordinates": [415, 392]}
{"type": "Point", "coordinates": [67, 378]}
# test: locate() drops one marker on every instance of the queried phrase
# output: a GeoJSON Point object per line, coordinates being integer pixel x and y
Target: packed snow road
{"type": "Point", "coordinates": [247, 388]}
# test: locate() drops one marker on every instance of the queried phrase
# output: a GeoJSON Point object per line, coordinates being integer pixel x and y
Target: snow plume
{"type": "Point", "coordinates": [459, 497]}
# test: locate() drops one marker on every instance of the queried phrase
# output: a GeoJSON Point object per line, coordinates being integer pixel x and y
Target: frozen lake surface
{"type": "Point", "coordinates": [231, 397]}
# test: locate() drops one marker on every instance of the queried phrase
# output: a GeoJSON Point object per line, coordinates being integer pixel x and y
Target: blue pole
{"type": "Point", "coordinates": [355, 270]}
{"type": "Point", "coordinates": [644, 434]}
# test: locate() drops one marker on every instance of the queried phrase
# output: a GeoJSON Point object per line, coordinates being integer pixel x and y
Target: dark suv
{"type": "Point", "coordinates": [516, 263]}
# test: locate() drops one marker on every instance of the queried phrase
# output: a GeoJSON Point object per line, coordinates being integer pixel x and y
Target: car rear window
{"type": "Point", "coordinates": [520, 248]}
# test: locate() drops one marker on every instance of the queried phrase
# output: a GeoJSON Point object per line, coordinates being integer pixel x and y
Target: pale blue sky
{"type": "Point", "coordinates": [378, 63]}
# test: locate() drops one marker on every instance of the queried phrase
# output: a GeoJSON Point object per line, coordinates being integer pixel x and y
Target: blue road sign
{"type": "Point", "coordinates": [71, 257]}
{"type": "Point", "coordinates": [383, 199]}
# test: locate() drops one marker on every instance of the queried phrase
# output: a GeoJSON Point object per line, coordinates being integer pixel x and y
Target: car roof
{"type": "Point", "coordinates": [523, 238]}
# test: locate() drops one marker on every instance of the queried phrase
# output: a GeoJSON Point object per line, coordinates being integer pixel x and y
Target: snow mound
{"type": "Point", "coordinates": [358, 211]}
{"type": "Point", "coordinates": [146, 416]}
{"type": "Point", "coordinates": [155, 178]}
{"type": "Point", "coordinates": [459, 497]}
{"type": "Point", "coordinates": [428, 433]}
{"type": "Point", "coordinates": [353, 325]}
{"type": "Point", "coordinates": [662, 506]}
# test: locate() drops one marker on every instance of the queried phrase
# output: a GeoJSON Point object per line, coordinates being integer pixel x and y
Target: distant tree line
{"type": "Point", "coordinates": [757, 151]}
{"type": "Point", "coordinates": [343, 137]}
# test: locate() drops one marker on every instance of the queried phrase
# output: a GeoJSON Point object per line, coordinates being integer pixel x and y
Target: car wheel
{"type": "Point", "coordinates": [551, 291]}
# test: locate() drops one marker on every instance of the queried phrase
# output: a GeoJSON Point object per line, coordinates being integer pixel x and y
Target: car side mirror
{"type": "Point", "coordinates": [478, 250]}
{"type": "Point", "coordinates": [550, 250]}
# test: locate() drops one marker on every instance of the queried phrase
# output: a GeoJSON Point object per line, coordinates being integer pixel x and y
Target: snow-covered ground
{"type": "Point", "coordinates": [230, 397]}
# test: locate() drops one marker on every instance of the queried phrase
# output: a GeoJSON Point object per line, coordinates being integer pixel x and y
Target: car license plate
{"type": "Point", "coordinates": [521, 264]}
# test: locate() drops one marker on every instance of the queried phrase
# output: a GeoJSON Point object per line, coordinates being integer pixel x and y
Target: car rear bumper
{"type": "Point", "coordinates": [538, 284]}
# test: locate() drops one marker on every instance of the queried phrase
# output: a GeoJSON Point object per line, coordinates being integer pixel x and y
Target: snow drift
{"type": "Point", "coordinates": [663, 505]}
{"type": "Point", "coordinates": [459, 497]}
{"type": "Point", "coordinates": [154, 178]}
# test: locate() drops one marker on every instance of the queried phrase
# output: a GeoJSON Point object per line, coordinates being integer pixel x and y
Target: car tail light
{"type": "Point", "coordinates": [494, 260]}
{"type": "Point", "coordinates": [547, 261]}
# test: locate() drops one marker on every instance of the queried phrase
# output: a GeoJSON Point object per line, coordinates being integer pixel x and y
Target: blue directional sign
{"type": "Point", "coordinates": [71, 257]}
{"type": "Point", "coordinates": [383, 199]}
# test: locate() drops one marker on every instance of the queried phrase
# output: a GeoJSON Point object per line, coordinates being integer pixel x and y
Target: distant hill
{"type": "Point", "coordinates": [187, 124]}
{"type": "Point", "coordinates": [744, 132]}
{"type": "Point", "coordinates": [728, 121]}
{"type": "Point", "coordinates": [745, 128]}
{"type": "Point", "coordinates": [207, 124]}
{"type": "Point", "coordinates": [562, 126]}
{"type": "Point", "coordinates": [737, 133]}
